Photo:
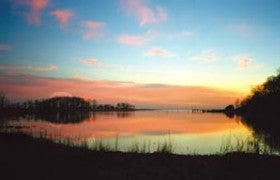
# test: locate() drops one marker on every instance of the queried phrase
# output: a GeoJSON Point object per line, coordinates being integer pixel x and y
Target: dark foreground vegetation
{"type": "Point", "coordinates": [23, 157]}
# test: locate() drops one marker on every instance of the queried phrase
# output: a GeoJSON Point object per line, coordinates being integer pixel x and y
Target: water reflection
{"type": "Point", "coordinates": [64, 117]}
{"type": "Point", "coordinates": [201, 133]}
{"type": "Point", "coordinates": [265, 128]}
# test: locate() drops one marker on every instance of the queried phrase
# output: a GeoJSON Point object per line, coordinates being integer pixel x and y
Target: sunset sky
{"type": "Point", "coordinates": [167, 53]}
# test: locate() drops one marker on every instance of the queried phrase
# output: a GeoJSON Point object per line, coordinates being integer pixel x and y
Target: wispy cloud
{"type": "Point", "coordinates": [131, 40]}
{"type": "Point", "coordinates": [137, 40]}
{"type": "Point", "coordinates": [92, 29]}
{"type": "Point", "coordinates": [35, 9]}
{"type": "Point", "coordinates": [244, 61]}
{"type": "Point", "coordinates": [31, 68]}
{"type": "Point", "coordinates": [92, 62]}
{"type": "Point", "coordinates": [5, 47]}
{"type": "Point", "coordinates": [207, 56]}
{"type": "Point", "coordinates": [62, 16]}
{"type": "Point", "coordinates": [143, 12]}
{"type": "Point", "coordinates": [242, 29]}
{"type": "Point", "coordinates": [157, 51]}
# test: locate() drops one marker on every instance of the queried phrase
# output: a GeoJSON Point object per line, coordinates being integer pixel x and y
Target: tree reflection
{"type": "Point", "coordinates": [124, 114]}
{"type": "Point", "coordinates": [64, 116]}
{"type": "Point", "coordinates": [267, 132]}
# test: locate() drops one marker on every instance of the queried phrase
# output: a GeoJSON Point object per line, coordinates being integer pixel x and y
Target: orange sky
{"type": "Point", "coordinates": [24, 86]}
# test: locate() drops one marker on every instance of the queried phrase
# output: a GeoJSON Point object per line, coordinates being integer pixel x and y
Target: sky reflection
{"type": "Point", "coordinates": [200, 132]}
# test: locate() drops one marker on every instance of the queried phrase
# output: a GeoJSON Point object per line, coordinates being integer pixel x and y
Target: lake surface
{"type": "Point", "coordinates": [187, 132]}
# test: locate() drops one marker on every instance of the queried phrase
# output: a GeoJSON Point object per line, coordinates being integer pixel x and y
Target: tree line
{"type": "Point", "coordinates": [61, 104]}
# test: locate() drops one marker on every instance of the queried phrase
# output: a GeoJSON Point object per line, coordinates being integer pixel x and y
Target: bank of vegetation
{"type": "Point", "coordinates": [23, 157]}
{"type": "Point", "coordinates": [61, 104]}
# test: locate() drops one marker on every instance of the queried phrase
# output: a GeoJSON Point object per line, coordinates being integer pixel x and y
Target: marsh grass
{"type": "Point", "coordinates": [254, 145]}
{"type": "Point", "coordinates": [167, 146]}
{"type": "Point", "coordinates": [144, 146]}
{"type": "Point", "coordinates": [229, 144]}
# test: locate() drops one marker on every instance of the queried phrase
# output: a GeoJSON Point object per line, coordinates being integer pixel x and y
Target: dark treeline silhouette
{"type": "Point", "coordinates": [264, 103]}
{"type": "Point", "coordinates": [61, 104]}
{"type": "Point", "coordinates": [265, 98]}
{"type": "Point", "coordinates": [261, 110]}
{"type": "Point", "coordinates": [57, 109]}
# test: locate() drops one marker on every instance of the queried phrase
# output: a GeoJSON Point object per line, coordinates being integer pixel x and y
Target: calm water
{"type": "Point", "coordinates": [199, 133]}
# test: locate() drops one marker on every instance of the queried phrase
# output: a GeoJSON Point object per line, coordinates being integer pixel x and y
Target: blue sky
{"type": "Point", "coordinates": [221, 44]}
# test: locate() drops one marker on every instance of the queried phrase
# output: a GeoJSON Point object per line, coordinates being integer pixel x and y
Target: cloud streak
{"type": "Point", "coordinates": [35, 9]}
{"type": "Point", "coordinates": [62, 16]}
{"type": "Point", "coordinates": [131, 40]}
{"type": "Point", "coordinates": [31, 68]}
{"type": "Point", "coordinates": [92, 62]}
{"type": "Point", "coordinates": [157, 51]}
{"type": "Point", "coordinates": [143, 12]}
{"type": "Point", "coordinates": [92, 29]}
{"type": "Point", "coordinates": [137, 40]}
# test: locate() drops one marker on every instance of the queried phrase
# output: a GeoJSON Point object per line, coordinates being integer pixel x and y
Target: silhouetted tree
{"type": "Point", "coordinates": [61, 104]}
{"type": "Point", "coordinates": [125, 107]}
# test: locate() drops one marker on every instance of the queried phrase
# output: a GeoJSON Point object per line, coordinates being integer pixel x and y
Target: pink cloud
{"type": "Point", "coordinates": [24, 86]}
{"type": "Point", "coordinates": [131, 40]}
{"type": "Point", "coordinates": [93, 62]}
{"type": "Point", "coordinates": [5, 47]}
{"type": "Point", "coordinates": [137, 40]}
{"type": "Point", "coordinates": [35, 12]}
{"type": "Point", "coordinates": [156, 51]}
{"type": "Point", "coordinates": [40, 69]}
{"type": "Point", "coordinates": [62, 16]}
{"type": "Point", "coordinates": [92, 29]}
{"type": "Point", "coordinates": [143, 12]}
{"type": "Point", "coordinates": [244, 61]}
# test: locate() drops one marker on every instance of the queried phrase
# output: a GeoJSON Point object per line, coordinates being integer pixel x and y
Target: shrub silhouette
{"type": "Point", "coordinates": [265, 98]}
